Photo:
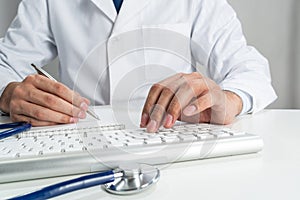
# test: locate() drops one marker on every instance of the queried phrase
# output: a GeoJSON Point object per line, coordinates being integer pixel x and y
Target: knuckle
{"type": "Point", "coordinates": [188, 85]}
{"type": "Point", "coordinates": [31, 94]}
{"type": "Point", "coordinates": [33, 79]}
{"type": "Point", "coordinates": [59, 88]}
{"type": "Point", "coordinates": [196, 75]}
{"type": "Point", "coordinates": [186, 78]}
{"type": "Point", "coordinates": [65, 119]}
{"type": "Point", "coordinates": [18, 91]}
{"type": "Point", "coordinates": [168, 91]}
{"type": "Point", "coordinates": [158, 108]}
{"type": "Point", "coordinates": [157, 111]}
{"type": "Point", "coordinates": [174, 107]}
{"type": "Point", "coordinates": [38, 114]}
{"type": "Point", "coordinates": [156, 87]}
{"type": "Point", "coordinates": [49, 100]}
{"type": "Point", "coordinates": [30, 79]}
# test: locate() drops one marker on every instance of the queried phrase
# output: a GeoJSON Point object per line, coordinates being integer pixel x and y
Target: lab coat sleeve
{"type": "Point", "coordinates": [218, 44]}
{"type": "Point", "coordinates": [28, 40]}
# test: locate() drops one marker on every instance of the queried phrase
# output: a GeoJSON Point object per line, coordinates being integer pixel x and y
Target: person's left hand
{"type": "Point", "coordinates": [190, 98]}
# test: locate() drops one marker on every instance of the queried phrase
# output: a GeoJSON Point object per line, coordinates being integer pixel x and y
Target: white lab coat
{"type": "Point", "coordinates": [107, 57]}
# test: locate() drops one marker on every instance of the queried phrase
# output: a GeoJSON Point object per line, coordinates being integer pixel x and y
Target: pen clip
{"type": "Point", "coordinates": [37, 70]}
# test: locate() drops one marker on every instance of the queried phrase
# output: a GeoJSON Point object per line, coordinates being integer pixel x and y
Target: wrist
{"type": "Point", "coordinates": [235, 102]}
{"type": "Point", "coordinates": [6, 96]}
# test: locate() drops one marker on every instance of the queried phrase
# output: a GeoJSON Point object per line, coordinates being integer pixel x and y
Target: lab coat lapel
{"type": "Point", "coordinates": [129, 10]}
{"type": "Point", "coordinates": [107, 7]}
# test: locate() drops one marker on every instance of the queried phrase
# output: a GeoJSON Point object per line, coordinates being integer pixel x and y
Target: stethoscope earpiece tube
{"type": "Point", "coordinates": [72, 185]}
{"type": "Point", "coordinates": [14, 128]}
{"type": "Point", "coordinates": [122, 181]}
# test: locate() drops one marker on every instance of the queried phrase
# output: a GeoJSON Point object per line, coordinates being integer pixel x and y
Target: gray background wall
{"type": "Point", "coordinates": [272, 26]}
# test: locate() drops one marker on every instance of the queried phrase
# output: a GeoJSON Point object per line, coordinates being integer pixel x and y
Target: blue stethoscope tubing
{"type": "Point", "coordinates": [70, 186]}
{"type": "Point", "coordinates": [13, 129]}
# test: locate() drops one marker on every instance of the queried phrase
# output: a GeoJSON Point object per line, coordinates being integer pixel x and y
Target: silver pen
{"type": "Point", "coordinates": [46, 74]}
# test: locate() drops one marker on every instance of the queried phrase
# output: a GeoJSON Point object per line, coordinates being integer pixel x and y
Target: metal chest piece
{"type": "Point", "coordinates": [136, 178]}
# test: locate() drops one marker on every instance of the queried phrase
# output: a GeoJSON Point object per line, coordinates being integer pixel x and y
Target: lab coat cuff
{"type": "Point", "coordinates": [246, 99]}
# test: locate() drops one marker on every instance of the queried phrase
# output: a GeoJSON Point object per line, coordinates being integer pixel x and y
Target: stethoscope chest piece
{"type": "Point", "coordinates": [135, 178]}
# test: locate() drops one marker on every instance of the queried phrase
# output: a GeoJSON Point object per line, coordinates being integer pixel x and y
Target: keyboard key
{"type": "Point", "coordinates": [134, 142]}
{"type": "Point", "coordinates": [51, 142]}
{"type": "Point", "coordinates": [172, 139]}
{"type": "Point", "coordinates": [153, 141]}
{"type": "Point", "coordinates": [205, 136]}
{"type": "Point", "coordinates": [222, 135]}
{"type": "Point", "coordinates": [237, 133]}
{"type": "Point", "coordinates": [188, 138]}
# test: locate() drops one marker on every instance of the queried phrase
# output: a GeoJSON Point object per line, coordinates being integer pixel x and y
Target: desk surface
{"type": "Point", "coordinates": [272, 174]}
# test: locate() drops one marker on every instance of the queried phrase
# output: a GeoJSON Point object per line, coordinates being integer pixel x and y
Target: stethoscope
{"type": "Point", "coordinates": [13, 129]}
{"type": "Point", "coordinates": [127, 179]}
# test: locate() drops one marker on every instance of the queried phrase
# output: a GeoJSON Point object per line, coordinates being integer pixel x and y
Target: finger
{"type": "Point", "coordinates": [58, 89]}
{"type": "Point", "coordinates": [200, 104]}
{"type": "Point", "coordinates": [42, 114]}
{"type": "Point", "coordinates": [150, 101]}
{"type": "Point", "coordinates": [158, 112]}
{"type": "Point", "coordinates": [214, 97]}
{"type": "Point", "coordinates": [203, 117]}
{"type": "Point", "coordinates": [32, 121]}
{"type": "Point", "coordinates": [53, 102]}
{"type": "Point", "coordinates": [153, 96]}
{"type": "Point", "coordinates": [205, 103]}
{"type": "Point", "coordinates": [154, 124]}
{"type": "Point", "coordinates": [183, 97]}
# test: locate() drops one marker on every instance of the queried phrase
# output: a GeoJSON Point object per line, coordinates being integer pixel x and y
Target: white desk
{"type": "Point", "coordinates": [272, 174]}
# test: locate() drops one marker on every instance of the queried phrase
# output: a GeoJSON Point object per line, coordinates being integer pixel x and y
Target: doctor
{"type": "Point", "coordinates": [102, 43]}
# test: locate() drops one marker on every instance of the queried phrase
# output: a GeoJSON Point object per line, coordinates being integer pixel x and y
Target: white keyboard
{"type": "Point", "coordinates": [63, 151]}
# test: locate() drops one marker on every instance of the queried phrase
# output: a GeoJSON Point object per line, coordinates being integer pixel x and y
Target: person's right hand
{"type": "Point", "coordinates": [42, 102]}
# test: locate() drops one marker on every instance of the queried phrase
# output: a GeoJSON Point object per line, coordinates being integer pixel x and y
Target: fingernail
{"type": "Point", "coordinates": [84, 106]}
{"type": "Point", "coordinates": [88, 102]}
{"type": "Point", "coordinates": [190, 110]}
{"type": "Point", "coordinates": [169, 121]}
{"type": "Point", "coordinates": [144, 120]}
{"type": "Point", "coordinates": [73, 120]}
{"type": "Point", "coordinates": [82, 115]}
{"type": "Point", "coordinates": [152, 126]}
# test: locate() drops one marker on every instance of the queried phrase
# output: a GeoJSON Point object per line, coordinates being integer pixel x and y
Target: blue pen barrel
{"type": "Point", "coordinates": [70, 186]}
{"type": "Point", "coordinates": [14, 128]}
